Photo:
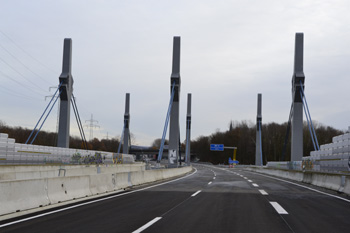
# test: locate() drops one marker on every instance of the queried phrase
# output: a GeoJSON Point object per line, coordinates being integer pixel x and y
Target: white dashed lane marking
{"type": "Point", "coordinates": [150, 223]}
{"type": "Point", "coordinates": [278, 208]}
{"type": "Point", "coordinates": [196, 193]}
{"type": "Point", "coordinates": [263, 192]}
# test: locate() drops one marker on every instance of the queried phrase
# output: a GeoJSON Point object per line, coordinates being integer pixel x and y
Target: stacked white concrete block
{"type": "Point", "coordinates": [333, 157]}
{"type": "Point", "coordinates": [3, 146]}
{"type": "Point", "coordinates": [7, 147]}
{"type": "Point", "coordinates": [10, 147]}
{"type": "Point", "coordinates": [17, 153]}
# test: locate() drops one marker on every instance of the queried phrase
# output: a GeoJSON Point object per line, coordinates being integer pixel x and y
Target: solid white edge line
{"type": "Point", "coordinates": [147, 225]}
{"type": "Point", "coordinates": [315, 190]}
{"type": "Point", "coordinates": [196, 193]}
{"type": "Point", "coordinates": [278, 207]}
{"type": "Point", "coordinates": [98, 200]}
{"type": "Point", "coordinates": [263, 192]}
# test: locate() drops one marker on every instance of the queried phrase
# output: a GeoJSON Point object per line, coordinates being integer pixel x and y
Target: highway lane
{"type": "Point", "coordinates": [229, 204]}
{"type": "Point", "coordinates": [308, 210]}
{"type": "Point", "coordinates": [211, 200]}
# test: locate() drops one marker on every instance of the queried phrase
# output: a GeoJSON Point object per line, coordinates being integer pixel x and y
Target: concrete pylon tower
{"type": "Point", "coordinates": [126, 122]}
{"type": "Point", "coordinates": [174, 132]}
{"type": "Point", "coordinates": [258, 149]}
{"type": "Point", "coordinates": [66, 90]}
{"type": "Point", "coordinates": [188, 129]}
{"type": "Point", "coordinates": [297, 82]}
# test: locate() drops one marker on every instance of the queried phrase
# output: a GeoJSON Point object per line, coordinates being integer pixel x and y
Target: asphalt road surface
{"type": "Point", "coordinates": [211, 199]}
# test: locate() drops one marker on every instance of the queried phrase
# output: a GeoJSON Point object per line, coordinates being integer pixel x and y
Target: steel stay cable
{"type": "Point", "coordinates": [75, 114]}
{"type": "Point", "coordinates": [43, 113]}
{"type": "Point", "coordinates": [160, 154]}
{"type": "Point", "coordinates": [308, 122]}
{"type": "Point", "coordinates": [46, 117]}
{"type": "Point", "coordinates": [81, 125]}
{"type": "Point", "coordinates": [307, 107]}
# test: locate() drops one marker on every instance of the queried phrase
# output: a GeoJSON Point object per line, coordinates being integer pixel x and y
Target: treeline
{"type": "Point", "coordinates": [243, 134]}
{"type": "Point", "coordinates": [50, 139]}
{"type": "Point", "coordinates": [239, 134]}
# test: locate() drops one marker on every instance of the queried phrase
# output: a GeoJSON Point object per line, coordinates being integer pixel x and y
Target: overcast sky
{"type": "Point", "coordinates": [230, 52]}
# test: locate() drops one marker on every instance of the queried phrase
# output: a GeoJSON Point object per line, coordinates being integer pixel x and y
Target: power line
{"type": "Point", "coordinates": [19, 83]}
{"type": "Point", "coordinates": [28, 80]}
{"type": "Point", "coordinates": [17, 94]}
{"type": "Point", "coordinates": [14, 57]}
{"type": "Point", "coordinates": [91, 126]}
{"type": "Point", "coordinates": [28, 54]}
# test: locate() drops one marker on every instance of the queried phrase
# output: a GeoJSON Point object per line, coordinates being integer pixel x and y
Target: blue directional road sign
{"type": "Point", "coordinates": [230, 161]}
{"type": "Point", "coordinates": [217, 147]}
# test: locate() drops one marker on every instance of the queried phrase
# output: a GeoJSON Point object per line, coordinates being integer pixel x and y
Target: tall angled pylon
{"type": "Point", "coordinates": [126, 124]}
{"type": "Point", "coordinates": [297, 115]}
{"type": "Point", "coordinates": [66, 91]}
{"type": "Point", "coordinates": [174, 132]}
{"type": "Point", "coordinates": [258, 149]}
{"type": "Point", "coordinates": [188, 129]}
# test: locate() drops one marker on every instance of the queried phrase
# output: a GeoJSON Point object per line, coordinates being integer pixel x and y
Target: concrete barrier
{"type": "Point", "coordinates": [137, 178]}
{"type": "Point", "coordinates": [123, 180]}
{"type": "Point", "coordinates": [346, 186]}
{"type": "Point", "coordinates": [328, 181]}
{"type": "Point", "coordinates": [22, 195]}
{"type": "Point", "coordinates": [19, 195]}
{"type": "Point", "coordinates": [37, 172]}
{"type": "Point", "coordinates": [68, 188]}
{"type": "Point", "coordinates": [8, 176]}
{"type": "Point", "coordinates": [101, 183]}
{"type": "Point", "coordinates": [336, 182]}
